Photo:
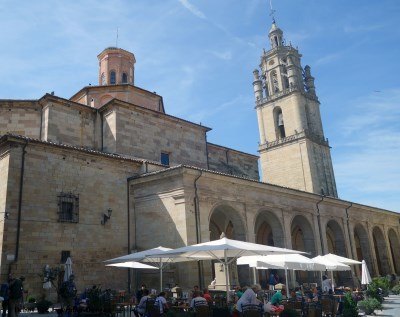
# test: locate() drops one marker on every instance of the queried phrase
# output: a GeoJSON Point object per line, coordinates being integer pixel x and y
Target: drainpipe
{"type": "Point", "coordinates": [129, 232]}
{"type": "Point", "coordinates": [319, 223]}
{"type": "Point", "coordinates": [21, 185]}
{"type": "Point", "coordinates": [351, 244]}
{"type": "Point", "coordinates": [197, 220]}
{"type": "Point", "coordinates": [348, 229]}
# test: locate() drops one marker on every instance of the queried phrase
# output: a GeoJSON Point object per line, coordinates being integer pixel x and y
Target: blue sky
{"type": "Point", "coordinates": [200, 54]}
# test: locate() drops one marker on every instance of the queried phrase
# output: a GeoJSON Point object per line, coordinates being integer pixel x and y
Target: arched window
{"type": "Point", "coordinates": [103, 79]}
{"type": "Point", "coordinates": [276, 41]}
{"type": "Point", "coordinates": [274, 81]}
{"type": "Point", "coordinates": [279, 124]}
{"type": "Point", "coordinates": [112, 78]}
{"type": "Point", "coordinates": [124, 78]}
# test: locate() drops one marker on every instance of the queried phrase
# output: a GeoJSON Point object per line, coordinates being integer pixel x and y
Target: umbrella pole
{"type": "Point", "coordinates": [333, 287]}
{"type": "Point", "coordinates": [254, 275]}
{"type": "Point", "coordinates": [161, 275]}
{"type": "Point", "coordinates": [287, 284]}
{"type": "Point", "coordinates": [226, 277]}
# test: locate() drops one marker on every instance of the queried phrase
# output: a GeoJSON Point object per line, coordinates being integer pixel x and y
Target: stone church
{"type": "Point", "coordinates": [108, 172]}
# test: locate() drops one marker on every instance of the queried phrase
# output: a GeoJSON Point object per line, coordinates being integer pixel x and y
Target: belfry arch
{"type": "Point", "coordinates": [381, 251]}
{"type": "Point", "coordinates": [362, 247]}
{"type": "Point", "coordinates": [394, 250]}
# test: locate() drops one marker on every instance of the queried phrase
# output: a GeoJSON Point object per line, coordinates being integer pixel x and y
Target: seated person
{"type": "Point", "coordinates": [198, 300]}
{"type": "Point", "coordinates": [249, 297]}
{"type": "Point", "coordinates": [315, 295]}
{"type": "Point", "coordinates": [161, 302]}
{"type": "Point", "coordinates": [298, 294]}
{"type": "Point", "coordinates": [238, 292]}
{"type": "Point", "coordinates": [206, 295]}
{"type": "Point", "coordinates": [141, 307]}
{"type": "Point", "coordinates": [277, 299]}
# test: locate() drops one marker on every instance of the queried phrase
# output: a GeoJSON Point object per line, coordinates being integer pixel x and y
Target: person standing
{"type": "Point", "coordinates": [4, 293]}
{"type": "Point", "coordinates": [15, 296]}
{"type": "Point", "coordinates": [139, 293]}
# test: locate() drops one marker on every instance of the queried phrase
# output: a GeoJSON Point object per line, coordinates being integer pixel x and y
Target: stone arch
{"type": "Point", "coordinates": [380, 251]}
{"type": "Point", "coordinates": [302, 234]}
{"type": "Point", "coordinates": [394, 250]}
{"type": "Point", "coordinates": [335, 238]}
{"type": "Point", "coordinates": [268, 229]}
{"type": "Point", "coordinates": [336, 245]}
{"type": "Point", "coordinates": [362, 246]}
{"type": "Point", "coordinates": [225, 218]}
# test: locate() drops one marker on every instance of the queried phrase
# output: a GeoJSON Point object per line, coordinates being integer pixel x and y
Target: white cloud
{"type": "Point", "coordinates": [362, 28]}
{"type": "Point", "coordinates": [193, 9]}
{"type": "Point", "coordinates": [227, 55]}
{"type": "Point", "coordinates": [368, 165]}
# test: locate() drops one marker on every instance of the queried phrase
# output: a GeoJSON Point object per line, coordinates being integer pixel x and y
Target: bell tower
{"type": "Point", "coordinates": [293, 149]}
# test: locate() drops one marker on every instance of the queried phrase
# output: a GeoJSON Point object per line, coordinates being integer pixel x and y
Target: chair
{"type": "Point", "coordinates": [252, 310]}
{"type": "Point", "coordinates": [202, 310]}
{"type": "Point", "coordinates": [152, 310]}
{"type": "Point", "coordinates": [327, 307]}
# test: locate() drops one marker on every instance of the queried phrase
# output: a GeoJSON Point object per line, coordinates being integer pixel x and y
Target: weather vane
{"type": "Point", "coordinates": [272, 12]}
{"type": "Point", "coordinates": [116, 41]}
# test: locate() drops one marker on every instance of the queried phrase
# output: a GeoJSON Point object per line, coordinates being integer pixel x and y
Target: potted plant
{"type": "Point", "coordinates": [43, 305]}
{"type": "Point", "coordinates": [369, 305]}
{"type": "Point", "coordinates": [30, 304]}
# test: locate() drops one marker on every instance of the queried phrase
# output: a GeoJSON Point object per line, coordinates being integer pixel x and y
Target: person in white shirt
{"type": "Point", "coordinates": [161, 302]}
{"type": "Point", "coordinates": [141, 307]}
{"type": "Point", "coordinates": [326, 284]}
{"type": "Point", "coordinates": [198, 300]}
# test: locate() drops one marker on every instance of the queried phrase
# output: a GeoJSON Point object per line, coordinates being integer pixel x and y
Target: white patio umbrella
{"type": "Point", "coordinates": [331, 265]}
{"type": "Point", "coordinates": [153, 256]}
{"type": "Point", "coordinates": [133, 265]}
{"type": "Point", "coordinates": [341, 259]}
{"type": "Point", "coordinates": [365, 276]}
{"type": "Point", "coordinates": [68, 269]}
{"type": "Point", "coordinates": [282, 261]}
{"type": "Point", "coordinates": [224, 249]}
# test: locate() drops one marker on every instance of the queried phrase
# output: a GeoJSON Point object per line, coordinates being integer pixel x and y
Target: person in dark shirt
{"type": "Point", "coordinates": [139, 293]}
{"type": "Point", "coordinates": [4, 294]}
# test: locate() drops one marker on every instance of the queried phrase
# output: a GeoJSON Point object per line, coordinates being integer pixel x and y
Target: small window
{"type": "Point", "coordinates": [103, 79]}
{"type": "Point", "coordinates": [68, 207]}
{"type": "Point", "coordinates": [164, 158]}
{"type": "Point", "coordinates": [124, 78]}
{"type": "Point", "coordinates": [65, 255]}
{"type": "Point", "coordinates": [112, 78]}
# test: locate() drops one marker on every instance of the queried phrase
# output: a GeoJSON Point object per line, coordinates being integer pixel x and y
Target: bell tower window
{"type": "Point", "coordinates": [275, 84]}
{"type": "Point", "coordinates": [124, 78]}
{"type": "Point", "coordinates": [103, 79]}
{"type": "Point", "coordinates": [279, 123]}
{"type": "Point", "coordinates": [112, 78]}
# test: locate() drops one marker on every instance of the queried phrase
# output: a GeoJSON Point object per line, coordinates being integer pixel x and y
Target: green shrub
{"type": "Point", "coordinates": [396, 289]}
{"type": "Point", "coordinates": [369, 305]}
{"type": "Point", "coordinates": [376, 284]}
{"type": "Point", "coordinates": [43, 305]}
{"type": "Point", "coordinates": [350, 308]}
{"type": "Point", "coordinates": [31, 299]}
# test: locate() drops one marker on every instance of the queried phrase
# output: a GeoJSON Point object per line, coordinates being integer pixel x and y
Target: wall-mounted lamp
{"type": "Point", "coordinates": [106, 216]}
{"type": "Point", "coordinates": [6, 215]}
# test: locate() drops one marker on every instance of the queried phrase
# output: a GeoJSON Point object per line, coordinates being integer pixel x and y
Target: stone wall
{"type": "Point", "coordinates": [145, 134]}
{"type": "Point", "coordinates": [72, 125]}
{"type": "Point", "coordinates": [20, 117]}
{"type": "Point", "coordinates": [229, 161]}
{"type": "Point", "coordinates": [100, 182]}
